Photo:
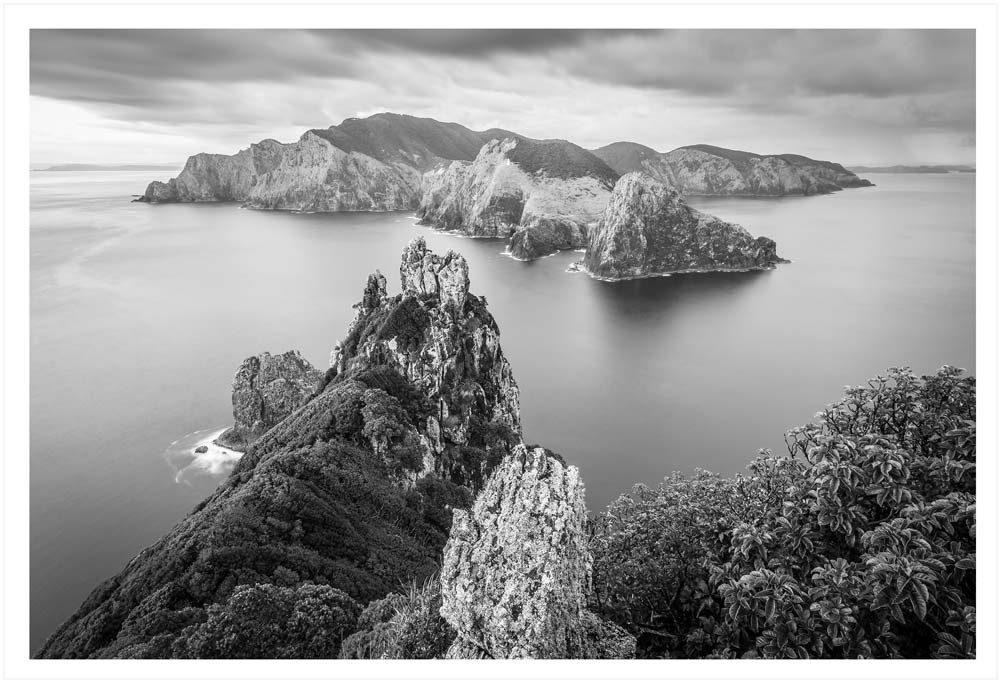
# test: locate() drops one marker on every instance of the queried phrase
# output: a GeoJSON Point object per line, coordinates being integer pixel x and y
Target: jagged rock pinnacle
{"type": "Point", "coordinates": [517, 567]}
{"type": "Point", "coordinates": [424, 272]}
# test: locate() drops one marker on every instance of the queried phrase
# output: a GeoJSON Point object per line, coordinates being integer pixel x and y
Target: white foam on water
{"type": "Point", "coordinates": [215, 463]}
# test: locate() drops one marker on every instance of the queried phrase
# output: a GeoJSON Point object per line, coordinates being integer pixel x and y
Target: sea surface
{"type": "Point", "coordinates": [141, 314]}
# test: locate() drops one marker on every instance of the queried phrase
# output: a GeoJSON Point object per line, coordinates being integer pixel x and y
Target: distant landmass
{"type": "Point", "coordinates": [913, 169]}
{"type": "Point", "coordinates": [542, 195]}
{"type": "Point", "coordinates": [710, 170]}
{"type": "Point", "coordinates": [110, 167]}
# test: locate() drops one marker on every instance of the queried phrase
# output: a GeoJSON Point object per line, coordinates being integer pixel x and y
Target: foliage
{"type": "Point", "coordinates": [859, 543]}
{"type": "Point", "coordinates": [310, 502]}
{"type": "Point", "coordinates": [560, 159]}
{"type": "Point", "coordinates": [267, 621]}
{"type": "Point", "coordinates": [402, 626]}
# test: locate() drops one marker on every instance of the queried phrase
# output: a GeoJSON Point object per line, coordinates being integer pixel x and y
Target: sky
{"type": "Point", "coordinates": [852, 96]}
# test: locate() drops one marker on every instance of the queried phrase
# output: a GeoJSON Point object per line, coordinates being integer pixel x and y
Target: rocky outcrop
{"type": "Point", "coordinates": [709, 170]}
{"type": "Point", "coordinates": [647, 229]}
{"type": "Point", "coordinates": [444, 341]}
{"type": "Point", "coordinates": [517, 568]}
{"type": "Point", "coordinates": [544, 196]}
{"type": "Point", "coordinates": [330, 495]}
{"type": "Point", "coordinates": [371, 164]}
{"type": "Point", "coordinates": [266, 390]}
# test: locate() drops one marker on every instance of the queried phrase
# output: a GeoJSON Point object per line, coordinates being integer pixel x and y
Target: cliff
{"type": "Point", "coordinates": [647, 229]}
{"type": "Point", "coordinates": [371, 164]}
{"type": "Point", "coordinates": [266, 390]}
{"type": "Point", "coordinates": [335, 505]}
{"type": "Point", "coordinates": [517, 568]}
{"type": "Point", "coordinates": [543, 196]}
{"type": "Point", "coordinates": [709, 170]}
{"type": "Point", "coordinates": [444, 342]}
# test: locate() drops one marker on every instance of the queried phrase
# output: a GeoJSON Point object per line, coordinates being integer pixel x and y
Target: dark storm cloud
{"type": "Point", "coordinates": [127, 66]}
{"type": "Point", "coordinates": [874, 63]}
{"type": "Point", "coordinates": [875, 82]}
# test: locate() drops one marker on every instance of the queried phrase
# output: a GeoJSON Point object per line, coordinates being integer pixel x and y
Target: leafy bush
{"type": "Point", "coordinates": [401, 626]}
{"type": "Point", "coordinates": [267, 621]}
{"type": "Point", "coordinates": [859, 543]}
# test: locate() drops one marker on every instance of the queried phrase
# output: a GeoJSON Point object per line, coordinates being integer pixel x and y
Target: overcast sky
{"type": "Point", "coordinates": [859, 96]}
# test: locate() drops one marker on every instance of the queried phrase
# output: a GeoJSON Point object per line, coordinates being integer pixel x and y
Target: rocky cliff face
{"type": "Point", "coordinates": [647, 229]}
{"type": "Point", "coordinates": [372, 164]}
{"type": "Point", "coordinates": [343, 493]}
{"type": "Point", "coordinates": [444, 341]}
{"type": "Point", "coordinates": [517, 568]}
{"type": "Point", "coordinates": [266, 390]}
{"type": "Point", "coordinates": [544, 196]}
{"type": "Point", "coordinates": [708, 170]}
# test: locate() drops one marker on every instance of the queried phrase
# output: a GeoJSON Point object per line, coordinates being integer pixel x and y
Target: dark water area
{"type": "Point", "coordinates": [141, 314]}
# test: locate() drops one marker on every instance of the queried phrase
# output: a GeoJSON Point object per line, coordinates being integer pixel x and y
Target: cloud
{"type": "Point", "coordinates": [589, 86]}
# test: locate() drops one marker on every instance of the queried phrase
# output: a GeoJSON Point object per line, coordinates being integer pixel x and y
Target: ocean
{"type": "Point", "coordinates": [141, 314]}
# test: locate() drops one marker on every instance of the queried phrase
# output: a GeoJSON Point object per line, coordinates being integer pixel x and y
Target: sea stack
{"type": "Point", "coordinates": [266, 390]}
{"type": "Point", "coordinates": [647, 229]}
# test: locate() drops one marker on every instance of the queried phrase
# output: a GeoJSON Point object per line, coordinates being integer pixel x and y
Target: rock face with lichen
{"type": "Point", "coordinates": [517, 568]}
{"type": "Point", "coordinates": [647, 229]}
{"type": "Point", "coordinates": [444, 341]}
{"type": "Point", "coordinates": [266, 390]}
{"type": "Point", "coordinates": [541, 195]}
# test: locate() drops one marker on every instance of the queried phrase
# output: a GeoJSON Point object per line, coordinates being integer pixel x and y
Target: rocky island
{"type": "Point", "coordinates": [542, 195]}
{"type": "Point", "coordinates": [370, 164]}
{"type": "Point", "coordinates": [266, 389]}
{"type": "Point", "coordinates": [710, 170]}
{"type": "Point", "coordinates": [647, 229]}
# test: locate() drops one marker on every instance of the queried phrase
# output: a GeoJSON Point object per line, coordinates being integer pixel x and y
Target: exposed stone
{"type": "Point", "coordinates": [517, 568]}
{"type": "Point", "coordinates": [424, 272]}
{"type": "Point", "coordinates": [442, 339]}
{"type": "Point", "coordinates": [543, 194]}
{"type": "Point", "coordinates": [266, 390]}
{"type": "Point", "coordinates": [647, 229]}
{"type": "Point", "coordinates": [371, 164]}
{"type": "Point", "coordinates": [201, 449]}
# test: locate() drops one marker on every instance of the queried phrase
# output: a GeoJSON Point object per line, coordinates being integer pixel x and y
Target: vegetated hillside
{"type": "Point", "coordinates": [560, 159]}
{"type": "Point", "coordinates": [408, 139]}
{"type": "Point", "coordinates": [625, 157]}
{"type": "Point", "coordinates": [343, 501]}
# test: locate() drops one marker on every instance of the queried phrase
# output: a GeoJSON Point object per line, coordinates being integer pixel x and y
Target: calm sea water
{"type": "Point", "coordinates": [140, 315]}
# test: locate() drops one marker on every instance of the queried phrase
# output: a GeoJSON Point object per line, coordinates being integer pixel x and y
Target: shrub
{"type": "Point", "coordinates": [267, 621]}
{"type": "Point", "coordinates": [402, 626]}
{"type": "Point", "coordinates": [859, 543]}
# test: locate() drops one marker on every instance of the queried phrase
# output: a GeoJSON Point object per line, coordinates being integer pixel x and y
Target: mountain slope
{"type": "Point", "coordinates": [351, 492]}
{"type": "Point", "coordinates": [371, 164]}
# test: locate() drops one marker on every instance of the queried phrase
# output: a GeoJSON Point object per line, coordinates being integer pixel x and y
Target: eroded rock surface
{"type": "Point", "coordinates": [266, 390]}
{"type": "Point", "coordinates": [647, 229]}
{"type": "Point", "coordinates": [517, 568]}
{"type": "Point", "coordinates": [543, 195]}
{"type": "Point", "coordinates": [443, 340]}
